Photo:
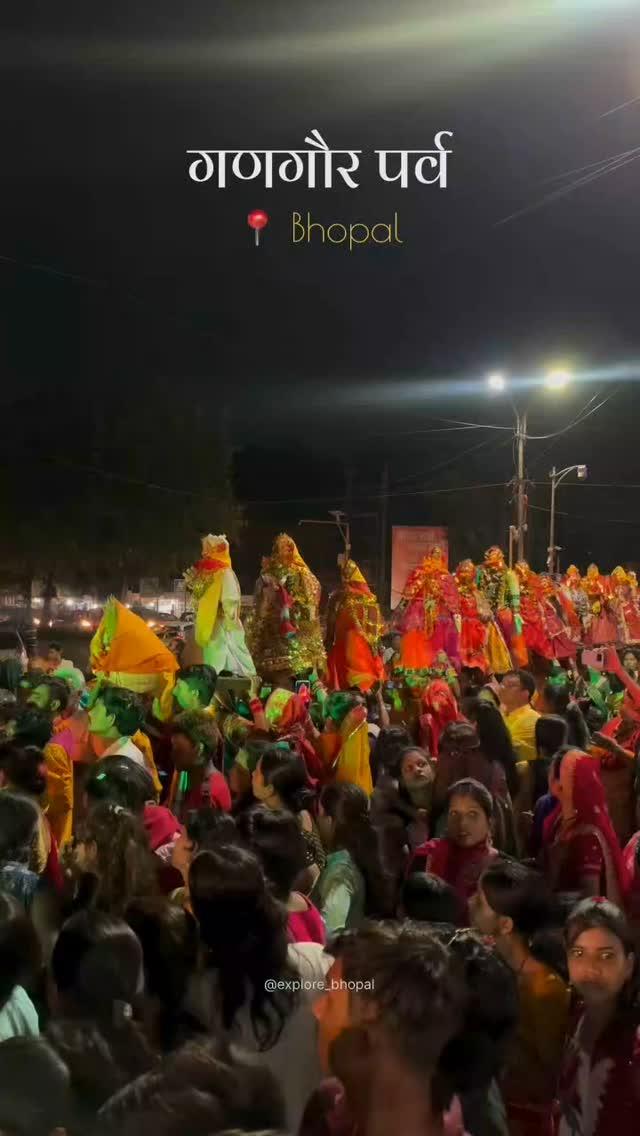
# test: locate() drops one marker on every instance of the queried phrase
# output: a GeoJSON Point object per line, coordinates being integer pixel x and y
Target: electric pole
{"type": "Point", "coordinates": [383, 590]}
{"type": "Point", "coordinates": [521, 488]}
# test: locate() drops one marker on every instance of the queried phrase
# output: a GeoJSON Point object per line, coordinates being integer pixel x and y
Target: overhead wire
{"type": "Point", "coordinates": [581, 517]}
{"type": "Point", "coordinates": [581, 417]}
{"type": "Point", "coordinates": [620, 106]}
{"type": "Point", "coordinates": [609, 166]}
{"type": "Point", "coordinates": [449, 461]}
{"type": "Point", "coordinates": [203, 494]}
{"type": "Point", "coordinates": [377, 496]}
{"type": "Point", "coordinates": [410, 433]}
{"type": "Point", "coordinates": [601, 162]}
{"type": "Point", "coordinates": [542, 454]}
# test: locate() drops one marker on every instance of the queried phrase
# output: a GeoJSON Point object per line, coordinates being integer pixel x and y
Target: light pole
{"type": "Point", "coordinates": [340, 522]}
{"type": "Point", "coordinates": [498, 381]}
{"type": "Point", "coordinates": [556, 477]}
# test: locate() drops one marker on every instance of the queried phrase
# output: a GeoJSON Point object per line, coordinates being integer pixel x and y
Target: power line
{"type": "Point", "coordinates": [581, 517]}
{"type": "Point", "coordinates": [539, 457]}
{"type": "Point", "coordinates": [207, 495]}
{"type": "Point", "coordinates": [182, 322]}
{"type": "Point", "coordinates": [379, 496]}
{"type": "Point", "coordinates": [477, 425]}
{"type": "Point", "coordinates": [592, 485]}
{"type": "Point", "coordinates": [580, 417]}
{"type": "Point", "coordinates": [576, 422]}
{"type": "Point", "coordinates": [433, 430]}
{"type": "Point", "coordinates": [607, 166]}
{"type": "Point", "coordinates": [620, 106]}
{"type": "Point", "coordinates": [451, 461]}
{"type": "Point", "coordinates": [588, 166]}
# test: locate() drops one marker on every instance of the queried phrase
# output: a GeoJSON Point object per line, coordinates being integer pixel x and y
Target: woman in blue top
{"type": "Point", "coordinates": [18, 835]}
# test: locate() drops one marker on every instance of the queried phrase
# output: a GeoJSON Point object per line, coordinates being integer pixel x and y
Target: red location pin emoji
{"type": "Point", "coordinates": [257, 221]}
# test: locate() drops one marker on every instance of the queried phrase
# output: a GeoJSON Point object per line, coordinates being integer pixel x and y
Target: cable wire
{"type": "Point", "coordinates": [450, 461]}
{"type": "Point", "coordinates": [576, 422]}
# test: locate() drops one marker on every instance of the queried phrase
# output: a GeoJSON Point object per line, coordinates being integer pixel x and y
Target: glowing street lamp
{"type": "Point", "coordinates": [556, 476]}
{"type": "Point", "coordinates": [496, 381]}
{"type": "Point", "coordinates": [557, 379]}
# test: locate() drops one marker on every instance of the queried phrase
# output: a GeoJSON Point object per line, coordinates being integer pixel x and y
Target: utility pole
{"type": "Point", "coordinates": [553, 548]}
{"type": "Point", "coordinates": [556, 477]}
{"type": "Point", "coordinates": [349, 474]}
{"type": "Point", "coordinates": [555, 379]}
{"type": "Point", "coordinates": [521, 490]}
{"type": "Point", "coordinates": [340, 522]}
{"type": "Point", "coordinates": [383, 590]}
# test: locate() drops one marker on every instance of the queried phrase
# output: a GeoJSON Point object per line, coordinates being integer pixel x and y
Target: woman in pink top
{"type": "Point", "coordinates": [305, 925]}
{"type": "Point", "coordinates": [275, 837]}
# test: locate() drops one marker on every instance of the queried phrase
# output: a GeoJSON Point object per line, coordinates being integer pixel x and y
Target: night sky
{"type": "Point", "coordinates": [119, 274]}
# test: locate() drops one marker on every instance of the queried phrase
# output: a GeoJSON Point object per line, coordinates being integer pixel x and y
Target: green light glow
{"type": "Point", "coordinates": [466, 39]}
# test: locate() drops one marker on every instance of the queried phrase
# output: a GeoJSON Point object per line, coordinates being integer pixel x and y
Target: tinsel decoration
{"type": "Point", "coordinates": [288, 630]}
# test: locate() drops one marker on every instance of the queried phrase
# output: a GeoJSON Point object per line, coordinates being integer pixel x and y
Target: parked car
{"type": "Point", "coordinates": [171, 623]}
{"type": "Point", "coordinates": [12, 646]}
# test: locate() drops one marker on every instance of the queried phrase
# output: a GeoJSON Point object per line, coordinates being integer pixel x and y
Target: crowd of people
{"type": "Point", "coordinates": [375, 889]}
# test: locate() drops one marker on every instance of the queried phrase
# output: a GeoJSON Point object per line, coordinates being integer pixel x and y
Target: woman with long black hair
{"type": "Point", "coordinates": [280, 781]}
{"type": "Point", "coordinates": [599, 1088]}
{"type": "Point", "coordinates": [95, 994]}
{"type": "Point", "coordinates": [250, 984]}
{"type": "Point", "coordinates": [354, 883]}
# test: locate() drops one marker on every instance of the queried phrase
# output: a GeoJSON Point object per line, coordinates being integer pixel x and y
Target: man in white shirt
{"type": "Point", "coordinates": [55, 662]}
{"type": "Point", "coordinates": [115, 716]}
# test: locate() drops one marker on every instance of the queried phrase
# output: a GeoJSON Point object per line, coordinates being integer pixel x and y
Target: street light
{"type": "Point", "coordinates": [556, 477]}
{"type": "Point", "coordinates": [496, 381]}
{"type": "Point", "coordinates": [555, 379]}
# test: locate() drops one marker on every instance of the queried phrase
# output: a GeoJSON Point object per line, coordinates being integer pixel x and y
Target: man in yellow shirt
{"type": "Point", "coordinates": [516, 691]}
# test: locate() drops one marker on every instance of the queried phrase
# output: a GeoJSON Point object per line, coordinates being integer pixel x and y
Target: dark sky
{"type": "Point", "coordinates": [333, 362]}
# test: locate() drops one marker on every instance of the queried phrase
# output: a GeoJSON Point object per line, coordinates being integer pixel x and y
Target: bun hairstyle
{"type": "Point", "coordinates": [97, 969]}
{"type": "Point", "coordinates": [276, 838]}
{"type": "Point", "coordinates": [478, 793]}
{"type": "Point", "coordinates": [120, 781]}
{"type": "Point", "coordinates": [286, 773]}
{"type": "Point", "coordinates": [523, 895]}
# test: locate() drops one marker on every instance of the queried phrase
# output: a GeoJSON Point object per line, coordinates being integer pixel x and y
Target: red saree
{"type": "Point", "coordinates": [439, 708]}
{"type": "Point", "coordinates": [599, 1091]}
{"type": "Point", "coordinates": [461, 868]}
{"type": "Point", "coordinates": [579, 840]}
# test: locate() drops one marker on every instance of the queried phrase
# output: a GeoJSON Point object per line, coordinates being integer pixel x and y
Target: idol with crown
{"type": "Point", "coordinates": [216, 596]}
{"type": "Point", "coordinates": [285, 636]}
{"type": "Point", "coordinates": [428, 615]}
{"type": "Point", "coordinates": [354, 628]}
